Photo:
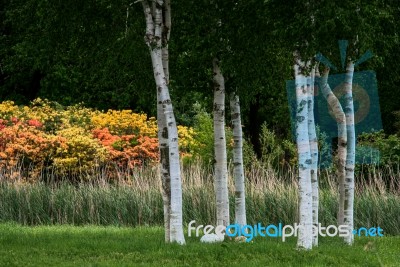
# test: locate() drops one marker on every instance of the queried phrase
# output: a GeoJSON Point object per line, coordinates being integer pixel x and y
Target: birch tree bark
{"type": "Point", "coordinates": [161, 123]}
{"type": "Point", "coordinates": [220, 161]}
{"type": "Point", "coordinates": [154, 31]}
{"type": "Point", "coordinates": [238, 171]}
{"type": "Point", "coordinates": [303, 146]}
{"type": "Point", "coordinates": [351, 153]}
{"type": "Point", "coordinates": [337, 111]}
{"type": "Point", "coordinates": [312, 137]}
{"type": "Point", "coordinates": [164, 165]}
{"type": "Point", "coordinates": [165, 37]}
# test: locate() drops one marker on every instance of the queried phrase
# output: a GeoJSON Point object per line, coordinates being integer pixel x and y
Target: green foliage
{"type": "Point", "coordinates": [204, 137]}
{"type": "Point", "coordinates": [280, 153]}
{"type": "Point", "coordinates": [77, 58]}
{"type": "Point", "coordinates": [118, 145]}
{"type": "Point", "coordinates": [249, 155]}
{"type": "Point", "coordinates": [387, 147]}
{"type": "Point", "coordinates": [397, 121]}
{"type": "Point", "coordinates": [324, 149]}
{"type": "Point", "coordinates": [203, 147]}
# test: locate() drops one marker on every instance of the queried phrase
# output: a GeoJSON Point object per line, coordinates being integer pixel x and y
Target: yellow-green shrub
{"type": "Point", "coordinates": [80, 153]}
{"type": "Point", "coordinates": [126, 122]}
{"type": "Point", "coordinates": [8, 110]}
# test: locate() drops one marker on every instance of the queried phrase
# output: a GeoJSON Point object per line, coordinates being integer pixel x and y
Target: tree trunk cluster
{"type": "Point", "coordinates": [307, 145]}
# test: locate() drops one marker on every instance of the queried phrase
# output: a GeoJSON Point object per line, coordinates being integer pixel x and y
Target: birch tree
{"type": "Point", "coordinates": [220, 161]}
{"type": "Point", "coordinates": [238, 170]}
{"type": "Point", "coordinates": [348, 218]}
{"type": "Point", "coordinates": [338, 113]}
{"type": "Point", "coordinates": [312, 137]}
{"type": "Point", "coordinates": [154, 11]}
{"type": "Point", "coordinates": [305, 238]}
{"type": "Point", "coordinates": [346, 147]}
{"type": "Point", "coordinates": [161, 123]}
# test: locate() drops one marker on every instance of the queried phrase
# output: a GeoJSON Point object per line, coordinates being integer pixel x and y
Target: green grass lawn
{"type": "Point", "coordinates": [113, 246]}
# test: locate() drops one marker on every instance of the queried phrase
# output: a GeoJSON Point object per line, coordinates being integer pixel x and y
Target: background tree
{"type": "Point", "coordinates": [238, 168]}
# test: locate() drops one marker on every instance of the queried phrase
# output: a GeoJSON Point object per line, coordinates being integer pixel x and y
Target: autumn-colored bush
{"type": "Point", "coordinates": [79, 116]}
{"type": "Point", "coordinates": [74, 140]}
{"type": "Point", "coordinates": [125, 122]}
{"type": "Point", "coordinates": [49, 113]}
{"type": "Point", "coordinates": [26, 145]}
{"type": "Point", "coordinates": [187, 141]}
{"type": "Point", "coordinates": [8, 110]}
{"type": "Point", "coordinates": [79, 153]}
{"type": "Point", "coordinates": [128, 150]}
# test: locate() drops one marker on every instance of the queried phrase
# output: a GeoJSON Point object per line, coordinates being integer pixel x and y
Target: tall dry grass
{"type": "Point", "coordinates": [135, 199]}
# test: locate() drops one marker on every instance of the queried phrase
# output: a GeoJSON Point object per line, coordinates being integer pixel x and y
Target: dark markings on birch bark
{"type": "Point", "coordinates": [300, 118]}
{"type": "Point", "coordinates": [164, 133]}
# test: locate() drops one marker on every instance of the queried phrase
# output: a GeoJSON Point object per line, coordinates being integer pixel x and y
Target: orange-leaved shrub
{"type": "Point", "coordinates": [25, 144]}
{"type": "Point", "coordinates": [128, 150]}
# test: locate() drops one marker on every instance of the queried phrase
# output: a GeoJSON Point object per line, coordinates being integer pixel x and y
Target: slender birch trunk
{"type": "Point", "coordinates": [153, 38]}
{"type": "Point", "coordinates": [161, 123]}
{"type": "Point", "coordinates": [165, 37]}
{"type": "Point", "coordinates": [220, 161]}
{"type": "Point", "coordinates": [238, 171]}
{"type": "Point", "coordinates": [164, 166]}
{"type": "Point", "coordinates": [350, 161]}
{"type": "Point", "coordinates": [312, 137]}
{"type": "Point", "coordinates": [340, 118]}
{"type": "Point", "coordinates": [303, 146]}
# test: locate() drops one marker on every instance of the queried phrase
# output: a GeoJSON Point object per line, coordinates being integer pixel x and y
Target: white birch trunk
{"type": "Point", "coordinates": [164, 166]}
{"type": "Point", "coordinates": [340, 118]}
{"type": "Point", "coordinates": [303, 146]}
{"type": "Point", "coordinates": [161, 123]}
{"type": "Point", "coordinates": [238, 170]}
{"type": "Point", "coordinates": [312, 137]}
{"type": "Point", "coordinates": [153, 40]}
{"type": "Point", "coordinates": [350, 161]}
{"type": "Point", "coordinates": [165, 37]}
{"type": "Point", "coordinates": [220, 161]}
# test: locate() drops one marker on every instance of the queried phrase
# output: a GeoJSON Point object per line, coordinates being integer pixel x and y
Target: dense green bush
{"type": "Point", "coordinates": [203, 148]}
{"type": "Point", "coordinates": [278, 152]}
{"type": "Point", "coordinates": [386, 148]}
